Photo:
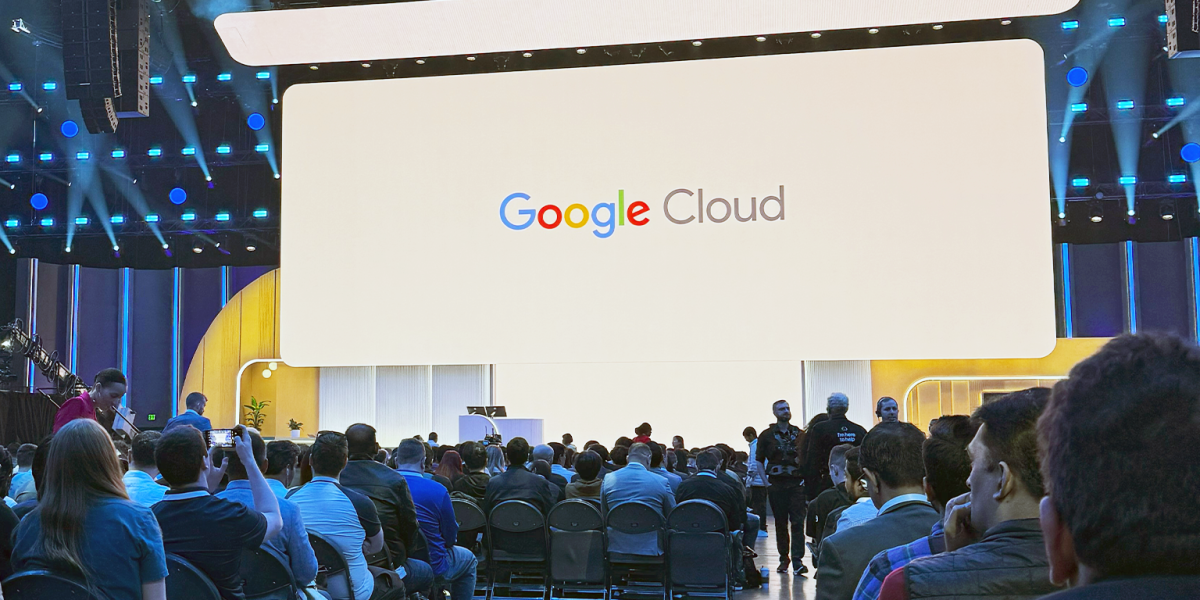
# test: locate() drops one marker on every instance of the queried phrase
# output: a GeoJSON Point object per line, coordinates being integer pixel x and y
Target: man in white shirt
{"type": "Point", "coordinates": [140, 481]}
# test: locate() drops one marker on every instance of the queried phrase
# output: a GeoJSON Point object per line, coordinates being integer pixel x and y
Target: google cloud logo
{"type": "Point", "coordinates": [605, 216]}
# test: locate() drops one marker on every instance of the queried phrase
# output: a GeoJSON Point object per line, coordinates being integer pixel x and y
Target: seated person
{"type": "Point", "coordinates": [453, 566]}
{"type": "Point", "coordinates": [863, 509]}
{"type": "Point", "coordinates": [707, 486]}
{"type": "Point", "coordinates": [38, 472]}
{"type": "Point", "coordinates": [517, 483]}
{"type": "Point", "coordinates": [140, 478]}
{"type": "Point", "coordinates": [994, 545]}
{"type": "Point", "coordinates": [283, 462]}
{"type": "Point", "coordinates": [891, 463]}
{"type": "Point", "coordinates": [292, 542]}
{"type": "Point", "coordinates": [856, 489]}
{"type": "Point", "coordinates": [475, 476]}
{"type": "Point", "coordinates": [831, 499]}
{"type": "Point", "coordinates": [388, 490]}
{"type": "Point", "coordinates": [21, 487]}
{"type": "Point", "coordinates": [96, 534]}
{"type": "Point", "coordinates": [546, 453]}
{"type": "Point", "coordinates": [346, 518]}
{"type": "Point", "coordinates": [1118, 447]}
{"type": "Point", "coordinates": [656, 466]}
{"type": "Point", "coordinates": [635, 483]}
{"type": "Point", "coordinates": [542, 468]}
{"type": "Point", "coordinates": [205, 530]}
{"type": "Point", "coordinates": [947, 466]}
{"type": "Point", "coordinates": [559, 464]}
{"type": "Point", "coordinates": [194, 415]}
{"type": "Point", "coordinates": [587, 466]}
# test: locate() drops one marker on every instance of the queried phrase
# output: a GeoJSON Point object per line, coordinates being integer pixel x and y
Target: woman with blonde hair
{"type": "Point", "coordinates": [86, 527]}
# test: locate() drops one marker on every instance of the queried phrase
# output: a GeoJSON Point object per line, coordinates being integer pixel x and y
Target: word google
{"type": "Point", "coordinates": [607, 216]}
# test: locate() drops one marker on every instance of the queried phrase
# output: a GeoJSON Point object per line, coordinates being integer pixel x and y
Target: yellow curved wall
{"type": "Point", "coordinates": [245, 330]}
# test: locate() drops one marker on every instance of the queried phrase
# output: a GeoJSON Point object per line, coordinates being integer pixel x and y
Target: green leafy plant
{"type": "Point", "coordinates": [255, 416]}
{"type": "Point", "coordinates": [293, 425]}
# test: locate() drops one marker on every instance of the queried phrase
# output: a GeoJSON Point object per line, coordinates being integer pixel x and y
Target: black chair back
{"type": "Point", "coordinates": [42, 584]}
{"type": "Point", "coordinates": [265, 574]}
{"type": "Point", "coordinates": [468, 514]}
{"type": "Point", "coordinates": [635, 518]}
{"type": "Point", "coordinates": [699, 558]}
{"type": "Point", "coordinates": [516, 531]}
{"type": "Point", "coordinates": [576, 543]}
{"type": "Point", "coordinates": [186, 582]}
{"type": "Point", "coordinates": [333, 574]}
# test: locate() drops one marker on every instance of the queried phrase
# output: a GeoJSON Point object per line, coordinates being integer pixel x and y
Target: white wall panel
{"type": "Point", "coordinates": [402, 403]}
{"type": "Point", "coordinates": [851, 377]}
{"type": "Point", "coordinates": [347, 397]}
{"type": "Point", "coordinates": [455, 387]}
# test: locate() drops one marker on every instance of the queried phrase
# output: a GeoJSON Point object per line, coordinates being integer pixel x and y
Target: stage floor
{"type": "Point", "coordinates": [782, 586]}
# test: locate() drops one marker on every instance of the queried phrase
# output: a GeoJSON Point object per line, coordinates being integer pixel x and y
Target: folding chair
{"type": "Point", "coordinates": [333, 574]}
{"type": "Point", "coordinates": [186, 582]}
{"type": "Point", "coordinates": [517, 551]}
{"type": "Point", "coordinates": [266, 576]}
{"type": "Point", "coordinates": [472, 524]}
{"type": "Point", "coordinates": [699, 557]}
{"type": "Point", "coordinates": [636, 574]}
{"type": "Point", "coordinates": [577, 565]}
{"type": "Point", "coordinates": [41, 584]}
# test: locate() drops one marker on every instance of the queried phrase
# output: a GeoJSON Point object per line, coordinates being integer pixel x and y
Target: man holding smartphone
{"type": "Point", "coordinates": [205, 530]}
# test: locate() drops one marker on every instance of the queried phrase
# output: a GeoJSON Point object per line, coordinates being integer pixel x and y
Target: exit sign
{"type": "Point", "coordinates": [150, 417]}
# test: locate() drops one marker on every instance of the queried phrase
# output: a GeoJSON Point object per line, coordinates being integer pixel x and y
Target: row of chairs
{"type": "Point", "coordinates": [566, 553]}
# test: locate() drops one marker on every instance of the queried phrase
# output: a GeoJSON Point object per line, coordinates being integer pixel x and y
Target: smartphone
{"type": "Point", "coordinates": [221, 438]}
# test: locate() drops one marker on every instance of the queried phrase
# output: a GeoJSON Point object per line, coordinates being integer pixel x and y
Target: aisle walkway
{"type": "Point", "coordinates": [782, 586]}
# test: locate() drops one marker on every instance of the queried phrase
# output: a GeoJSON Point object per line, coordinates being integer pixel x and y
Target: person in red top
{"type": "Point", "coordinates": [643, 432]}
{"type": "Point", "coordinates": [105, 394]}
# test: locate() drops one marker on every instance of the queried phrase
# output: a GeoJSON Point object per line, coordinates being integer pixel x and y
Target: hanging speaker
{"type": "Point", "coordinates": [133, 49]}
{"type": "Point", "coordinates": [90, 61]}
{"type": "Point", "coordinates": [1183, 28]}
{"type": "Point", "coordinates": [99, 116]}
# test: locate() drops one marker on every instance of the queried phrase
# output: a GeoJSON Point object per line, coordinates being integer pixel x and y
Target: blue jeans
{"type": "Point", "coordinates": [750, 535]}
{"type": "Point", "coordinates": [460, 573]}
{"type": "Point", "coordinates": [418, 576]}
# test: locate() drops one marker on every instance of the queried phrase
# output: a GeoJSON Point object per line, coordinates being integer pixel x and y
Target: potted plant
{"type": "Point", "coordinates": [295, 427]}
{"type": "Point", "coordinates": [255, 413]}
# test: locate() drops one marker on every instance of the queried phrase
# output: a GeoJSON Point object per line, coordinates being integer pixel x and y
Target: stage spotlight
{"type": "Point", "coordinates": [83, 155]}
{"type": "Point", "coordinates": [1077, 76]}
{"type": "Point", "coordinates": [1125, 105]}
{"type": "Point", "coordinates": [47, 222]}
{"type": "Point", "coordinates": [1154, 135]}
{"type": "Point", "coordinates": [50, 86]}
{"type": "Point", "coordinates": [262, 75]}
{"type": "Point", "coordinates": [816, 35]}
{"type": "Point", "coordinates": [1006, 21]}
{"type": "Point", "coordinates": [1062, 140]}
{"type": "Point", "coordinates": [274, 366]}
{"type": "Point", "coordinates": [579, 51]}
{"type": "Point", "coordinates": [873, 30]}
{"type": "Point", "coordinates": [260, 213]}
{"type": "Point", "coordinates": [156, 80]}
{"type": "Point", "coordinates": [12, 250]}
{"type": "Point", "coordinates": [11, 223]}
{"type": "Point", "coordinates": [1131, 212]}
{"type": "Point", "coordinates": [420, 61]}
{"type": "Point", "coordinates": [224, 149]}
{"type": "Point", "coordinates": [82, 220]}
{"type": "Point", "coordinates": [1175, 102]}
{"type": "Point", "coordinates": [527, 54]}
{"type": "Point", "coordinates": [256, 121]}
{"type": "Point", "coordinates": [116, 248]}
{"type": "Point", "coordinates": [39, 201]}
{"type": "Point", "coordinates": [46, 156]}
{"type": "Point", "coordinates": [166, 246]}
{"type": "Point", "coordinates": [67, 249]}
{"type": "Point", "coordinates": [118, 153]}
{"type": "Point", "coordinates": [938, 27]}
{"type": "Point", "coordinates": [1080, 107]}
{"type": "Point", "coordinates": [1190, 152]}
{"type": "Point", "coordinates": [222, 216]}
{"type": "Point", "coordinates": [117, 219]}
{"type": "Point", "coordinates": [1116, 22]}
{"type": "Point", "coordinates": [1177, 178]}
{"type": "Point", "coordinates": [1068, 25]}
{"type": "Point", "coordinates": [366, 65]}
{"type": "Point", "coordinates": [195, 104]}
{"type": "Point", "coordinates": [12, 158]}
{"type": "Point", "coordinates": [763, 39]}
{"type": "Point", "coordinates": [69, 129]}
{"type": "Point", "coordinates": [15, 86]}
{"type": "Point", "coordinates": [225, 77]}
{"type": "Point", "coordinates": [1167, 211]}
{"type": "Point", "coordinates": [177, 196]}
{"type": "Point", "coordinates": [189, 78]}
{"type": "Point", "coordinates": [262, 148]}
{"type": "Point", "coordinates": [251, 248]}
{"type": "Point", "coordinates": [266, 373]}
{"type": "Point", "coordinates": [208, 178]}
{"type": "Point", "coordinates": [154, 152]}
{"type": "Point", "coordinates": [697, 43]}
{"type": "Point", "coordinates": [188, 151]}
{"type": "Point", "coordinates": [313, 67]}
{"type": "Point", "coordinates": [277, 174]}
{"type": "Point", "coordinates": [1127, 180]}
{"type": "Point", "coordinates": [1096, 215]}
{"type": "Point", "coordinates": [152, 218]}
{"type": "Point", "coordinates": [188, 216]}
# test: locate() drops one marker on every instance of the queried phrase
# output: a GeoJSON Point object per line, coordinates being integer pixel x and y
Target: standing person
{"type": "Point", "coordinates": [568, 441]}
{"type": "Point", "coordinates": [780, 453]}
{"type": "Point", "coordinates": [106, 394]}
{"type": "Point", "coordinates": [677, 443]}
{"type": "Point", "coordinates": [194, 415]}
{"type": "Point", "coordinates": [86, 526]}
{"type": "Point", "coordinates": [888, 410]}
{"type": "Point", "coordinates": [756, 480]}
{"type": "Point", "coordinates": [140, 478]}
{"type": "Point", "coordinates": [823, 437]}
{"type": "Point", "coordinates": [433, 443]}
{"type": "Point", "coordinates": [643, 432]}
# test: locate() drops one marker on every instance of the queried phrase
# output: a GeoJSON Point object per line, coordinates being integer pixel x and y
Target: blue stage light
{"type": "Point", "coordinates": [69, 129]}
{"type": "Point", "coordinates": [1079, 108]}
{"type": "Point", "coordinates": [83, 155]}
{"type": "Point", "coordinates": [222, 216]}
{"type": "Point", "coordinates": [225, 77]}
{"type": "Point", "coordinates": [189, 78]}
{"type": "Point", "coordinates": [1127, 180]}
{"type": "Point", "coordinates": [117, 219]}
{"type": "Point", "coordinates": [12, 223]}
{"type": "Point", "coordinates": [82, 220]}
{"type": "Point", "coordinates": [224, 149]}
{"type": "Point", "coordinates": [1068, 25]}
{"type": "Point", "coordinates": [263, 75]}
{"type": "Point", "coordinates": [12, 158]}
{"type": "Point", "coordinates": [39, 201]}
{"type": "Point", "coordinates": [1124, 104]}
{"type": "Point", "coordinates": [1116, 22]}
{"type": "Point", "coordinates": [50, 86]}
{"type": "Point", "coordinates": [178, 196]}
{"type": "Point", "coordinates": [1077, 76]}
{"type": "Point", "coordinates": [152, 218]}
{"type": "Point", "coordinates": [154, 152]}
{"type": "Point", "coordinates": [1081, 182]}
{"type": "Point", "coordinates": [46, 156]}
{"type": "Point", "coordinates": [118, 153]}
{"type": "Point", "coordinates": [256, 121]}
{"type": "Point", "coordinates": [188, 151]}
{"type": "Point", "coordinates": [1190, 152]}
{"type": "Point", "coordinates": [1163, 19]}
{"type": "Point", "coordinates": [15, 86]}
{"type": "Point", "coordinates": [262, 148]}
{"type": "Point", "coordinates": [260, 213]}
{"type": "Point", "coordinates": [156, 80]}
{"type": "Point", "coordinates": [188, 216]}
{"type": "Point", "coordinates": [48, 222]}
{"type": "Point", "coordinates": [1175, 102]}
{"type": "Point", "coordinates": [1177, 178]}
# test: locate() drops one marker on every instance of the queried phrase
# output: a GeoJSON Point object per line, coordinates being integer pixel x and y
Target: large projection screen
{"type": "Point", "coordinates": [899, 212]}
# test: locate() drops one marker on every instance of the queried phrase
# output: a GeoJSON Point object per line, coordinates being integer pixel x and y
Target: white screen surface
{"type": "Point", "coordinates": [896, 170]}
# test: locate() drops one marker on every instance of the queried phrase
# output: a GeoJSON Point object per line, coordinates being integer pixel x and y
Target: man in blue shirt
{"type": "Point", "coordinates": [656, 467]}
{"type": "Point", "coordinates": [452, 565]}
{"type": "Point", "coordinates": [193, 416]}
{"type": "Point", "coordinates": [292, 542]}
{"type": "Point", "coordinates": [635, 483]}
{"type": "Point", "coordinates": [139, 480]}
{"type": "Point", "coordinates": [21, 487]}
{"type": "Point", "coordinates": [205, 530]}
{"type": "Point", "coordinates": [283, 458]}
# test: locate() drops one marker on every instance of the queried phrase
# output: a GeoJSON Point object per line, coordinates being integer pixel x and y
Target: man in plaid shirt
{"type": "Point", "coordinates": [947, 467]}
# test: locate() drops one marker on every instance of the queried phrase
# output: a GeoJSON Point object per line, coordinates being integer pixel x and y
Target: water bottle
{"type": "Point", "coordinates": [766, 577]}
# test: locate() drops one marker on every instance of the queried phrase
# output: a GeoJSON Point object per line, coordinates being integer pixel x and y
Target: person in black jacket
{"type": "Point", "coordinates": [1118, 443]}
{"type": "Point", "coordinates": [388, 490]}
{"type": "Point", "coordinates": [475, 476]}
{"type": "Point", "coordinates": [517, 483]}
{"type": "Point", "coordinates": [832, 498]}
{"type": "Point", "coordinates": [821, 439]}
{"type": "Point", "coordinates": [708, 485]}
{"type": "Point", "coordinates": [780, 449]}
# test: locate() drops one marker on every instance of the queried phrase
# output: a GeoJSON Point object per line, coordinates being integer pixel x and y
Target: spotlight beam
{"type": "Point", "coordinates": [1124, 74]}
